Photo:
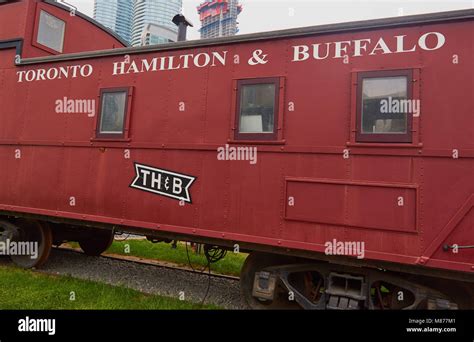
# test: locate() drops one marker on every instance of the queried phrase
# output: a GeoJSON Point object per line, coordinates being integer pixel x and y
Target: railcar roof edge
{"type": "Point", "coordinates": [464, 14]}
{"type": "Point", "coordinates": [89, 19]}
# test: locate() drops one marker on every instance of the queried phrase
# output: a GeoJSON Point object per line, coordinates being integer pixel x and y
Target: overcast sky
{"type": "Point", "coordinates": [268, 15]}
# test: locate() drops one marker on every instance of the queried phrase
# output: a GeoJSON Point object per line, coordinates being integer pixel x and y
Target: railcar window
{"type": "Point", "coordinates": [374, 118]}
{"type": "Point", "coordinates": [257, 110]}
{"type": "Point", "coordinates": [51, 31]}
{"type": "Point", "coordinates": [112, 114]}
{"type": "Point", "coordinates": [384, 107]}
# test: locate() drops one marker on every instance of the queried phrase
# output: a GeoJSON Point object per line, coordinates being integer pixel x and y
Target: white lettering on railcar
{"type": "Point", "coordinates": [55, 73]}
{"type": "Point", "coordinates": [344, 49]}
{"type": "Point", "coordinates": [164, 63]}
{"type": "Point", "coordinates": [367, 46]}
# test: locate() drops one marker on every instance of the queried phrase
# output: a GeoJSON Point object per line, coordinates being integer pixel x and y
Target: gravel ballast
{"type": "Point", "coordinates": [192, 287]}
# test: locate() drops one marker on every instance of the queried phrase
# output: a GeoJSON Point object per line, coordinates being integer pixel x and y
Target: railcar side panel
{"type": "Point", "coordinates": [312, 185]}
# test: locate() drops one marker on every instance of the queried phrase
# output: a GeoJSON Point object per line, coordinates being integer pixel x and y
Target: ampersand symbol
{"type": "Point", "coordinates": [258, 58]}
{"type": "Point", "coordinates": [167, 186]}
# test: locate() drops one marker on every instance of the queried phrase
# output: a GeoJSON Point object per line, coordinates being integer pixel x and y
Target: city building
{"type": "Point", "coordinates": [219, 18]}
{"type": "Point", "coordinates": [157, 34]}
{"type": "Point", "coordinates": [116, 15]}
{"type": "Point", "coordinates": [131, 19]}
{"type": "Point", "coordinates": [158, 12]}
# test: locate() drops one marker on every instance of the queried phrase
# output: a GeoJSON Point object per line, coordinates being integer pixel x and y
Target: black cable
{"type": "Point", "coordinates": [213, 254]}
{"type": "Point", "coordinates": [189, 261]}
{"type": "Point", "coordinates": [208, 284]}
{"type": "Point", "coordinates": [202, 271]}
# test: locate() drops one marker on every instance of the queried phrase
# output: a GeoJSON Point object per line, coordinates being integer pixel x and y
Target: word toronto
{"type": "Point", "coordinates": [55, 73]}
{"type": "Point", "coordinates": [429, 41]}
{"type": "Point", "coordinates": [28, 324]}
{"type": "Point", "coordinates": [22, 248]}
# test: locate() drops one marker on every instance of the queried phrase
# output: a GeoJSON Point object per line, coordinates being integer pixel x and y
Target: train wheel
{"type": "Point", "coordinates": [98, 243]}
{"type": "Point", "coordinates": [8, 231]}
{"type": "Point", "coordinates": [39, 240]}
{"type": "Point", "coordinates": [256, 262]}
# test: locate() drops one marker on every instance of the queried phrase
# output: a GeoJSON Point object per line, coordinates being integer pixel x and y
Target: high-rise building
{"type": "Point", "coordinates": [116, 15]}
{"type": "Point", "coordinates": [156, 34]}
{"type": "Point", "coordinates": [131, 18]}
{"type": "Point", "coordinates": [219, 18]}
{"type": "Point", "coordinates": [158, 12]}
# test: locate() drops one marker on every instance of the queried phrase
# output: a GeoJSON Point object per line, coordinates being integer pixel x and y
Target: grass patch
{"type": "Point", "coordinates": [230, 265]}
{"type": "Point", "coordinates": [28, 290]}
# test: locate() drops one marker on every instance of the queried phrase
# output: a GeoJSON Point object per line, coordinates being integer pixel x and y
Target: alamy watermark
{"type": "Point", "coordinates": [36, 325]}
{"type": "Point", "coordinates": [228, 152]}
{"type": "Point", "coordinates": [392, 105]}
{"type": "Point", "coordinates": [75, 106]}
{"type": "Point", "coordinates": [20, 248]}
{"type": "Point", "coordinates": [348, 248]}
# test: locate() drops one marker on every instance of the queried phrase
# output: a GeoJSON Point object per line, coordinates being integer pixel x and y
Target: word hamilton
{"type": "Point", "coordinates": [200, 60]}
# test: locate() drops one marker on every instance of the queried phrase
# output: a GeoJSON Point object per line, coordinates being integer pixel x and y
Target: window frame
{"type": "Point", "coordinates": [124, 136]}
{"type": "Point", "coordinates": [276, 135]}
{"type": "Point", "coordinates": [35, 41]}
{"type": "Point", "coordinates": [390, 138]}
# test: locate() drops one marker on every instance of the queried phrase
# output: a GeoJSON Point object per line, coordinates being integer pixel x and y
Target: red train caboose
{"type": "Point", "coordinates": [340, 156]}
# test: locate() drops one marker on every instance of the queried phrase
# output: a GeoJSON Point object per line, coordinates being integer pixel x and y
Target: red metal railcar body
{"type": "Point", "coordinates": [324, 170]}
